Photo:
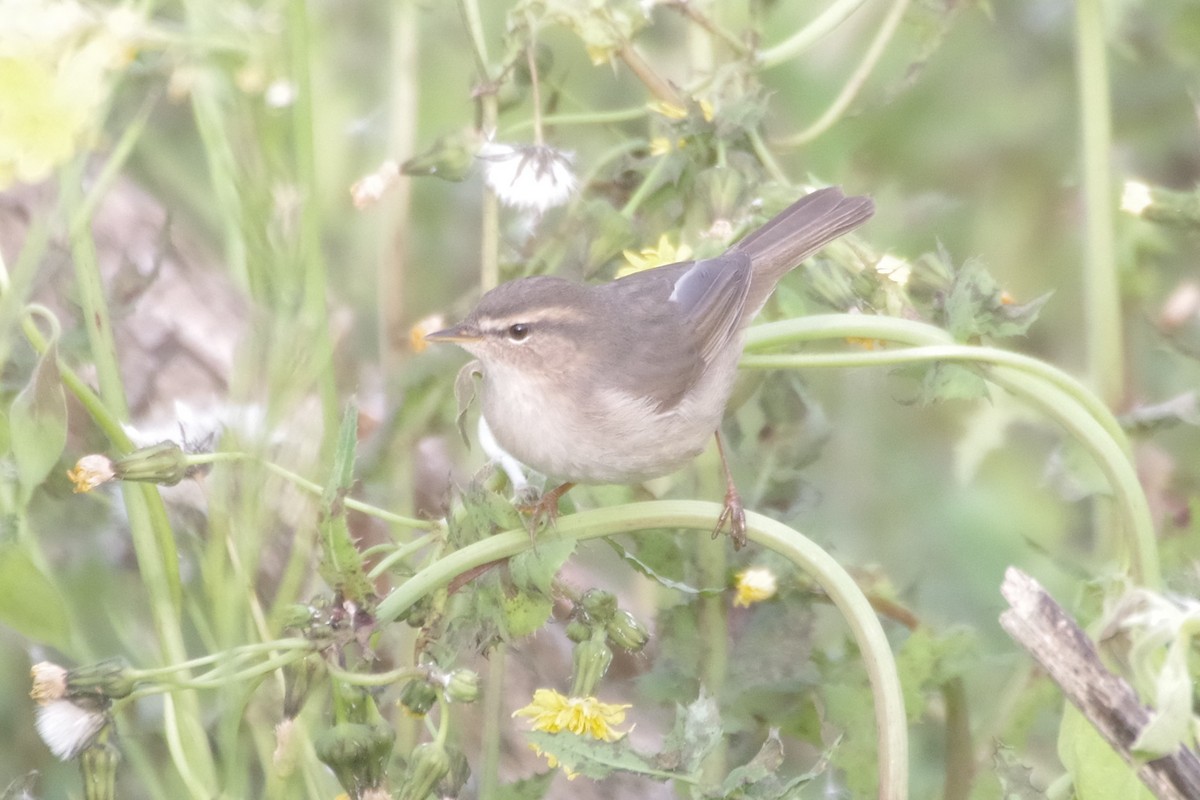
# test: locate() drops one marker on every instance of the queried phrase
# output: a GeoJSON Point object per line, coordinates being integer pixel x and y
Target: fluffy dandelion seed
{"type": "Point", "coordinates": [583, 716]}
{"type": "Point", "coordinates": [649, 257]}
{"type": "Point", "coordinates": [1136, 198]}
{"type": "Point", "coordinates": [49, 682]}
{"type": "Point", "coordinates": [68, 729]}
{"type": "Point", "coordinates": [755, 585]}
{"type": "Point", "coordinates": [533, 178]}
{"type": "Point", "coordinates": [91, 471]}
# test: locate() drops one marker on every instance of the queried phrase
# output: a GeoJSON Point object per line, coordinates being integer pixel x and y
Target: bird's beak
{"type": "Point", "coordinates": [459, 333]}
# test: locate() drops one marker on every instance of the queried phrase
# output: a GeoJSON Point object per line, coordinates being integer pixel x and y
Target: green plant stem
{"type": "Point", "coordinates": [375, 678]}
{"type": "Point", "coordinates": [1102, 300]}
{"type": "Point", "coordinates": [493, 720]}
{"type": "Point", "coordinates": [1037, 384]}
{"type": "Point", "coordinates": [580, 118]}
{"type": "Point", "coordinates": [311, 487]}
{"type": "Point", "coordinates": [856, 81]}
{"type": "Point", "coordinates": [149, 528]}
{"type": "Point", "coordinates": [833, 16]}
{"type": "Point", "coordinates": [838, 584]}
{"type": "Point", "coordinates": [489, 113]}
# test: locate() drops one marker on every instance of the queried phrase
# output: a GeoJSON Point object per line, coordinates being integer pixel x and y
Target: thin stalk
{"type": "Point", "coordinates": [580, 118]}
{"type": "Point", "coordinates": [1102, 300]}
{"type": "Point", "coordinates": [311, 259]}
{"type": "Point", "coordinates": [856, 81]}
{"type": "Point", "coordinates": [149, 529]}
{"type": "Point", "coordinates": [878, 659]}
{"type": "Point", "coordinates": [833, 16]}
{"type": "Point", "coordinates": [489, 114]}
{"type": "Point", "coordinates": [493, 723]}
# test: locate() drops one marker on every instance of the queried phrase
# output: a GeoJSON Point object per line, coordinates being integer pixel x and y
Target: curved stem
{"type": "Point", "coordinates": [1056, 394]}
{"type": "Point", "coordinates": [810, 34]}
{"type": "Point", "coordinates": [837, 583]}
{"type": "Point", "coordinates": [850, 91]}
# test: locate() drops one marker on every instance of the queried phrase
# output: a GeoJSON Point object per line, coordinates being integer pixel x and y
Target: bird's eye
{"type": "Point", "coordinates": [518, 332]}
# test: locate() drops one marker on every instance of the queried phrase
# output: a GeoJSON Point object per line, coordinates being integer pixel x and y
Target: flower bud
{"type": "Point", "coordinates": [164, 463]}
{"type": "Point", "coordinates": [578, 631]}
{"type": "Point", "coordinates": [462, 686]}
{"type": "Point", "coordinates": [99, 766]}
{"type": "Point", "coordinates": [418, 697]}
{"type": "Point", "coordinates": [626, 632]}
{"type": "Point", "coordinates": [599, 605]}
{"type": "Point", "coordinates": [428, 764]}
{"type": "Point", "coordinates": [357, 753]}
{"type": "Point", "coordinates": [108, 679]}
{"type": "Point", "coordinates": [591, 662]}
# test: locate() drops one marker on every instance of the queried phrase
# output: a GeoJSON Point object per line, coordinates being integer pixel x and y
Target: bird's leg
{"type": "Point", "coordinates": [544, 508]}
{"type": "Point", "coordinates": [734, 512]}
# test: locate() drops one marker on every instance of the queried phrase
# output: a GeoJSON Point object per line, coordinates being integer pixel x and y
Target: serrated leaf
{"type": "Point", "coordinates": [592, 758]}
{"type": "Point", "coordinates": [764, 764]}
{"type": "Point", "coordinates": [535, 569]}
{"type": "Point", "coordinates": [38, 423]}
{"type": "Point", "coordinates": [525, 613]}
{"type": "Point", "coordinates": [1098, 772]}
{"type": "Point", "coordinates": [1016, 778]}
{"type": "Point", "coordinates": [30, 603]}
{"type": "Point", "coordinates": [927, 660]}
{"type": "Point", "coordinates": [696, 733]}
{"type": "Point", "coordinates": [976, 306]}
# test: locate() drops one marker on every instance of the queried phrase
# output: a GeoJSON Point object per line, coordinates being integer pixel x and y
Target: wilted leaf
{"type": "Point", "coordinates": [697, 731]}
{"type": "Point", "coordinates": [591, 757]}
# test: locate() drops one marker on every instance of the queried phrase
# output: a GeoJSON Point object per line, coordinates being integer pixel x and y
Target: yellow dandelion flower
{"type": "Point", "coordinates": [649, 257]}
{"type": "Point", "coordinates": [553, 712]}
{"type": "Point", "coordinates": [754, 585]}
{"type": "Point", "coordinates": [91, 471]}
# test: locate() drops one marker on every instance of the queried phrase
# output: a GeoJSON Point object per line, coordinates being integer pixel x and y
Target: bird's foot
{"type": "Point", "coordinates": [733, 514]}
{"type": "Point", "coordinates": [541, 510]}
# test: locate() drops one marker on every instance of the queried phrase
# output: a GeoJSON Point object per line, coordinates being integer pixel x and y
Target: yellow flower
{"type": "Point", "coordinates": [754, 585]}
{"type": "Point", "coordinates": [553, 712]}
{"type": "Point", "coordinates": [706, 108]}
{"type": "Point", "coordinates": [649, 257]}
{"type": "Point", "coordinates": [91, 471]}
{"type": "Point", "coordinates": [552, 762]}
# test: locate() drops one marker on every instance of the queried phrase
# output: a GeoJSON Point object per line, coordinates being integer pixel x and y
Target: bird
{"type": "Point", "coordinates": [625, 381]}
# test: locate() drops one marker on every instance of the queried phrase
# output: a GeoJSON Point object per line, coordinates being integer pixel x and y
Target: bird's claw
{"type": "Point", "coordinates": [734, 513]}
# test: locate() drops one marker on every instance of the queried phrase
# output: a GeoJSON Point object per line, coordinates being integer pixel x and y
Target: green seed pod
{"type": "Point", "coordinates": [462, 686]}
{"type": "Point", "coordinates": [599, 605]}
{"type": "Point", "coordinates": [418, 697]}
{"type": "Point", "coordinates": [428, 764]}
{"type": "Point", "coordinates": [591, 662]}
{"type": "Point", "coordinates": [626, 632]}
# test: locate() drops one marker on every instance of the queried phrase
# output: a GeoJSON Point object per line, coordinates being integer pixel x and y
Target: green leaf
{"type": "Point", "coordinates": [592, 758]}
{"type": "Point", "coordinates": [760, 779]}
{"type": "Point", "coordinates": [1015, 777]}
{"type": "Point", "coordinates": [536, 569]}
{"type": "Point", "coordinates": [764, 764]}
{"type": "Point", "coordinates": [38, 423]}
{"type": "Point", "coordinates": [525, 613]}
{"type": "Point", "coordinates": [1098, 772]}
{"type": "Point", "coordinates": [697, 732]}
{"type": "Point", "coordinates": [927, 660]}
{"type": "Point", "coordinates": [977, 307]}
{"type": "Point", "coordinates": [464, 395]}
{"type": "Point", "coordinates": [29, 602]}
{"type": "Point", "coordinates": [1170, 726]}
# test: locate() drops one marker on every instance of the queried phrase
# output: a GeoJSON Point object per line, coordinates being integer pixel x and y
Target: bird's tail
{"type": "Point", "coordinates": [795, 233]}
